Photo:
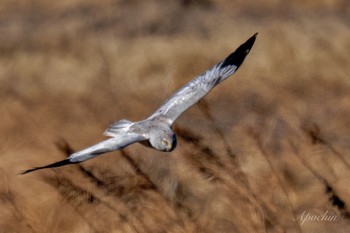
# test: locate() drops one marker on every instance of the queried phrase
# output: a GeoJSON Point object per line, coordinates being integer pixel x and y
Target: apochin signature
{"type": "Point", "coordinates": [327, 216]}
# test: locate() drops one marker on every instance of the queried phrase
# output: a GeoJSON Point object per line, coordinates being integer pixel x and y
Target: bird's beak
{"type": "Point", "coordinates": [170, 147]}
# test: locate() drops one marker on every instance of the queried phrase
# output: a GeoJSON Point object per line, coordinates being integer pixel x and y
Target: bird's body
{"type": "Point", "coordinates": [156, 131]}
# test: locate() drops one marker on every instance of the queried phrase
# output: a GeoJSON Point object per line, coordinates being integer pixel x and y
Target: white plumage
{"type": "Point", "coordinates": [156, 131]}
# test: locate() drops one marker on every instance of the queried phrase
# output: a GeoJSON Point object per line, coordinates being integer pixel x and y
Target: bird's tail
{"type": "Point", "coordinates": [118, 127]}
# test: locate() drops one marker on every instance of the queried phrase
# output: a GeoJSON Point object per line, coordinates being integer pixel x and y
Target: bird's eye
{"type": "Point", "coordinates": [165, 142]}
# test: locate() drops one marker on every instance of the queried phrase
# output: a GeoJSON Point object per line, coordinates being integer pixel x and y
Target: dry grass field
{"type": "Point", "coordinates": [268, 150]}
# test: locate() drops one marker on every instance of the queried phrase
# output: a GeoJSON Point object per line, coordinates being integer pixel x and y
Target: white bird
{"type": "Point", "coordinates": [156, 131]}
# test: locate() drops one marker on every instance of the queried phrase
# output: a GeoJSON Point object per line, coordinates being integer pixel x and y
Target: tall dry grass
{"type": "Point", "coordinates": [268, 144]}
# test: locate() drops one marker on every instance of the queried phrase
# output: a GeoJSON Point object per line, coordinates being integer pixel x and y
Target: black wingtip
{"type": "Point", "coordinates": [57, 164]}
{"type": "Point", "coordinates": [237, 57]}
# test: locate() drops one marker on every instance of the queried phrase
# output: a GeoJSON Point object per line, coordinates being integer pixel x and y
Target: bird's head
{"type": "Point", "coordinates": [163, 140]}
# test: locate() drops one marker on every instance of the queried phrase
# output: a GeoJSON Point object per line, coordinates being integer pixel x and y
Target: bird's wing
{"type": "Point", "coordinates": [117, 142]}
{"type": "Point", "coordinates": [194, 90]}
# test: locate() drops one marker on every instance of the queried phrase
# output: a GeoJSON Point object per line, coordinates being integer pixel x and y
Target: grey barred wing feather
{"type": "Point", "coordinates": [118, 141]}
{"type": "Point", "coordinates": [125, 132]}
{"type": "Point", "coordinates": [115, 143]}
{"type": "Point", "coordinates": [197, 88]}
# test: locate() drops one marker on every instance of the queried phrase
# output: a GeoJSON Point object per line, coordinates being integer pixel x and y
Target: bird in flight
{"type": "Point", "coordinates": [156, 131]}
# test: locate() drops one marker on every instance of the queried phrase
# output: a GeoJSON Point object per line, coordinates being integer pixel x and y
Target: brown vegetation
{"type": "Point", "coordinates": [262, 148]}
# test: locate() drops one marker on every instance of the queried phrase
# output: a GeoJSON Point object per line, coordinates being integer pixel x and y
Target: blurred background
{"type": "Point", "coordinates": [263, 151]}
